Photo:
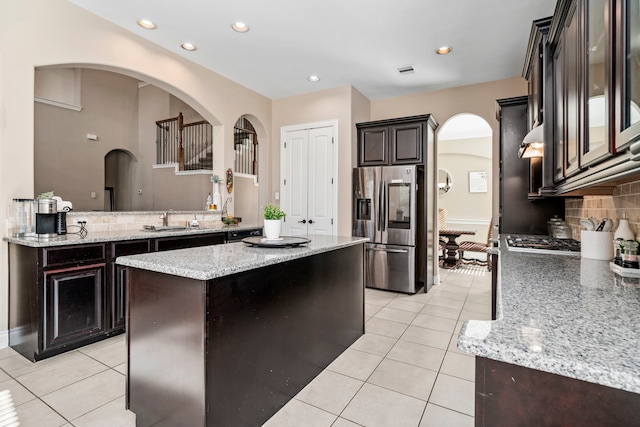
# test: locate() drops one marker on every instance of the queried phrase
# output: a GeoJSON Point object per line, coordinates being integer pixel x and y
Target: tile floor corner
{"type": "Point", "coordinates": [405, 371]}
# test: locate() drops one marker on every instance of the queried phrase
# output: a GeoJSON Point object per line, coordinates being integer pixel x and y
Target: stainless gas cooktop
{"type": "Point", "coordinates": [542, 244]}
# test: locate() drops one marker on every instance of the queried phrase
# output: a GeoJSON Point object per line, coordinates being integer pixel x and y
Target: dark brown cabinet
{"type": "Point", "coordinates": [399, 141]}
{"type": "Point", "coordinates": [595, 95]}
{"type": "Point", "coordinates": [57, 298]}
{"type": "Point", "coordinates": [627, 79]}
{"type": "Point", "coordinates": [64, 297]}
{"type": "Point", "coordinates": [118, 279]}
{"type": "Point", "coordinates": [181, 242]}
{"type": "Point", "coordinates": [74, 305]}
{"type": "Point", "coordinates": [519, 213]}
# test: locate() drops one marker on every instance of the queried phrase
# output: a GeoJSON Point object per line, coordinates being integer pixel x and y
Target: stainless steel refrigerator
{"type": "Point", "coordinates": [388, 208]}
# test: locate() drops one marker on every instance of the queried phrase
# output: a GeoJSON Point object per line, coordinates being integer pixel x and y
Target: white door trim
{"type": "Point", "coordinates": [336, 177]}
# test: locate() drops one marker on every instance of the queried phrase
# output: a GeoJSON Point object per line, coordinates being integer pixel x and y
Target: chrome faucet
{"type": "Point", "coordinates": [165, 218]}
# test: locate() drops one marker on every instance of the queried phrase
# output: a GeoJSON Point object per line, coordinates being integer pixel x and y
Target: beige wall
{"type": "Point", "coordinates": [459, 157]}
{"type": "Point", "coordinates": [331, 104]}
{"type": "Point", "coordinates": [68, 163]}
{"type": "Point", "coordinates": [479, 99]}
{"type": "Point", "coordinates": [75, 37]}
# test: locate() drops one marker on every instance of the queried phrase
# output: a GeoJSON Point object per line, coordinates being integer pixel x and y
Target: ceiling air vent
{"type": "Point", "coordinates": [407, 69]}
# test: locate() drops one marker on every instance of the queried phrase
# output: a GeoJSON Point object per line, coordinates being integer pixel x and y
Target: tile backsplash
{"type": "Point", "coordinates": [624, 201]}
{"type": "Point", "coordinates": [125, 221]}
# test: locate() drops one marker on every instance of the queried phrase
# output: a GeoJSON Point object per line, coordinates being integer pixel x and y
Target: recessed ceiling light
{"type": "Point", "coordinates": [240, 27]}
{"type": "Point", "coordinates": [313, 78]}
{"type": "Point", "coordinates": [188, 46]}
{"type": "Point", "coordinates": [443, 50]}
{"type": "Point", "coordinates": [145, 23]}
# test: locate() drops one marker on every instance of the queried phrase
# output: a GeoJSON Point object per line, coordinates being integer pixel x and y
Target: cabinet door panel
{"type": "Point", "coordinates": [559, 130]}
{"type": "Point", "coordinates": [406, 143]}
{"type": "Point", "coordinates": [119, 297]}
{"type": "Point", "coordinates": [572, 96]}
{"type": "Point", "coordinates": [628, 73]}
{"type": "Point", "coordinates": [74, 305]}
{"type": "Point", "coordinates": [373, 146]}
{"type": "Point", "coordinates": [596, 101]}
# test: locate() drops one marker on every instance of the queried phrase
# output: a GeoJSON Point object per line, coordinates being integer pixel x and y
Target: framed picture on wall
{"type": "Point", "coordinates": [478, 182]}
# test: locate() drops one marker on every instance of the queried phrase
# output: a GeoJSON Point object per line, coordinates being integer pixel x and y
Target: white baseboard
{"type": "Point", "coordinates": [4, 339]}
{"type": "Point", "coordinates": [463, 221]}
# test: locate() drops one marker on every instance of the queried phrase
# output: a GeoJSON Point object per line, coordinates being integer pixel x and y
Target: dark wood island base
{"type": "Point", "coordinates": [232, 351]}
{"type": "Point", "coordinates": [508, 395]}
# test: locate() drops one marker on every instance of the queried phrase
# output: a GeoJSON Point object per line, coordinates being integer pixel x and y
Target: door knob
{"type": "Point", "coordinates": [304, 221]}
{"type": "Point", "coordinates": [310, 221]}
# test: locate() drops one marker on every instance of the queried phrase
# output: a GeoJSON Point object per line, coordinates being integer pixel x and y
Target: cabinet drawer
{"type": "Point", "coordinates": [73, 255]}
{"type": "Point", "coordinates": [132, 247]}
{"type": "Point", "coordinates": [182, 242]}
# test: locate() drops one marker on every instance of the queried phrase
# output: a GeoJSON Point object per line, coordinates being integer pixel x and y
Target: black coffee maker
{"type": "Point", "coordinates": [49, 222]}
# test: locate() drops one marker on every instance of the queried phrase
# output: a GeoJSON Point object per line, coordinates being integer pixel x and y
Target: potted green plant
{"type": "Point", "coordinates": [273, 216]}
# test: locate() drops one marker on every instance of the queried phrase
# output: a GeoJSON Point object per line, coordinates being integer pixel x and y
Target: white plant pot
{"type": "Point", "coordinates": [272, 228]}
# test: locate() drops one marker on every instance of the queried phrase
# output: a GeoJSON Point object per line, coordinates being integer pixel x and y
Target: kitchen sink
{"type": "Point", "coordinates": [164, 227]}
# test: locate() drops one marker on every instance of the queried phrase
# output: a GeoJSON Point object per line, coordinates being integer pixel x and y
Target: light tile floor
{"type": "Point", "coordinates": [405, 371]}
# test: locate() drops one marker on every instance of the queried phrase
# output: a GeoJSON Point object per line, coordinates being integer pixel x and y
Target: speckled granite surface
{"type": "Point", "coordinates": [209, 262]}
{"type": "Point", "coordinates": [112, 236]}
{"type": "Point", "coordinates": [564, 315]}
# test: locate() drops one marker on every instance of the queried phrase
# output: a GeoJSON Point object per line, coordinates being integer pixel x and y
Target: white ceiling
{"type": "Point", "coordinates": [345, 42]}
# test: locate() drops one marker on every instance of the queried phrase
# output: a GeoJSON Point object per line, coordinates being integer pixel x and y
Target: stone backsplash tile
{"type": "Point", "coordinates": [625, 202]}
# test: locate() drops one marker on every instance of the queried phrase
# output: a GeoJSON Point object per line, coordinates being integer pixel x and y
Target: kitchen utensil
{"type": "Point", "coordinates": [608, 226]}
{"type": "Point", "coordinates": [600, 226]}
{"type": "Point", "coordinates": [586, 223]}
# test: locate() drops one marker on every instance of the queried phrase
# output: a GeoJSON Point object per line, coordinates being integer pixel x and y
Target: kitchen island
{"type": "Point", "coordinates": [226, 335]}
{"type": "Point", "coordinates": [565, 348]}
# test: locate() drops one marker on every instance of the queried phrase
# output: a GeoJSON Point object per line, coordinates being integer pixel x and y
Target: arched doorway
{"type": "Point", "coordinates": [118, 179]}
{"type": "Point", "coordinates": [465, 174]}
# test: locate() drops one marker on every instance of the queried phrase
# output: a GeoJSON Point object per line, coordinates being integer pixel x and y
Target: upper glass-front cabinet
{"type": "Point", "coordinates": [628, 73]}
{"type": "Point", "coordinates": [597, 81]}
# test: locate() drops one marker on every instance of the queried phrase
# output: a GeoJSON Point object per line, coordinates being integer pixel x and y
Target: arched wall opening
{"type": "Point", "coordinates": [465, 169]}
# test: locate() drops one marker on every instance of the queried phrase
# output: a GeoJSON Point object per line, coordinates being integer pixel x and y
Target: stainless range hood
{"type": "Point", "coordinates": [533, 143]}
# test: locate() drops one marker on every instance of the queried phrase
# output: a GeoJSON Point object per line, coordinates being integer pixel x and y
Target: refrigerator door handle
{"type": "Point", "coordinates": [393, 251]}
{"type": "Point", "coordinates": [383, 206]}
{"type": "Point", "coordinates": [378, 226]}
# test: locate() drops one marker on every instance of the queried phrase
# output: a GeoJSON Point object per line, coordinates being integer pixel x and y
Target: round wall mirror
{"type": "Point", "coordinates": [444, 182]}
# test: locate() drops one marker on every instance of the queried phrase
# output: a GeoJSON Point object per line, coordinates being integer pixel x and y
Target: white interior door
{"type": "Point", "coordinates": [308, 180]}
{"type": "Point", "coordinates": [294, 196]}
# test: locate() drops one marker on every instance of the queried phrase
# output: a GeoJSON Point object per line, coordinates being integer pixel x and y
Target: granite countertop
{"type": "Point", "coordinates": [112, 236]}
{"type": "Point", "coordinates": [565, 315]}
{"type": "Point", "coordinates": [210, 262]}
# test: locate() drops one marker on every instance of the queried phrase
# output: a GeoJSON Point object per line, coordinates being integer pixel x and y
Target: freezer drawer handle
{"type": "Point", "coordinates": [393, 251]}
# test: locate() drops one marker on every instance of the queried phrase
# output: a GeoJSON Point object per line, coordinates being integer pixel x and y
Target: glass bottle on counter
{"type": "Point", "coordinates": [630, 254]}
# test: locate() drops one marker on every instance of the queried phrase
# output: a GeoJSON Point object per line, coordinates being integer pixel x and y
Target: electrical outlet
{"type": "Point", "coordinates": [79, 220]}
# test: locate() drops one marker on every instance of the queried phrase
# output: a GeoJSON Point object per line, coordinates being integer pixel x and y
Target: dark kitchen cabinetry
{"type": "Point", "coordinates": [57, 298]}
{"type": "Point", "coordinates": [118, 279]}
{"type": "Point", "coordinates": [399, 141]}
{"type": "Point", "coordinates": [627, 78]}
{"type": "Point", "coordinates": [511, 395]}
{"type": "Point", "coordinates": [64, 297]}
{"type": "Point", "coordinates": [182, 242]}
{"type": "Point", "coordinates": [518, 213]}
{"type": "Point", "coordinates": [74, 305]}
{"type": "Point", "coordinates": [595, 94]}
